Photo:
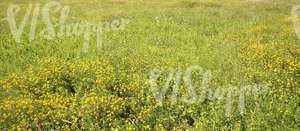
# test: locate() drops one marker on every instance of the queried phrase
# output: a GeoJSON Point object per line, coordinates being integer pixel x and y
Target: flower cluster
{"type": "Point", "coordinates": [64, 95]}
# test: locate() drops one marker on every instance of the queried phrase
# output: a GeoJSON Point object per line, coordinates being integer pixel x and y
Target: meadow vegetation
{"type": "Point", "coordinates": [53, 84]}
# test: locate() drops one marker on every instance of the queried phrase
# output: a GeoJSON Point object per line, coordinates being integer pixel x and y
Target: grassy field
{"type": "Point", "coordinates": [61, 84]}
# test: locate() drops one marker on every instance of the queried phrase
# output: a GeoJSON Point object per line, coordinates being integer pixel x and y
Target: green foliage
{"type": "Point", "coordinates": [53, 84]}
